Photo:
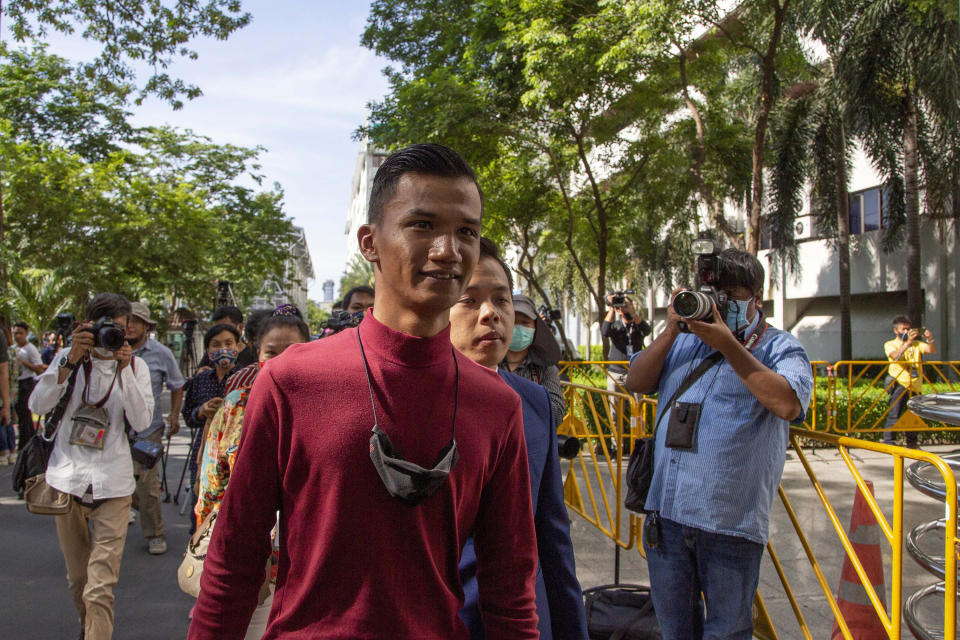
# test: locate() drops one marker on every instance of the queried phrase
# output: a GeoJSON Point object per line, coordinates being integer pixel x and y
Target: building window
{"type": "Point", "coordinates": [866, 210]}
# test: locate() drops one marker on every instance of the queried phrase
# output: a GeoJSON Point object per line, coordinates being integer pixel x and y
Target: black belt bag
{"type": "Point", "coordinates": [146, 452]}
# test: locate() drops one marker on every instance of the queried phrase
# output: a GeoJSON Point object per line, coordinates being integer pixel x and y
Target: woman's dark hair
{"type": "Point", "coordinates": [216, 330]}
{"type": "Point", "coordinates": [276, 322]}
{"type": "Point", "coordinates": [425, 159]}
{"type": "Point", "coordinates": [490, 250]}
{"type": "Point", "coordinates": [112, 305]}
{"type": "Point", "coordinates": [252, 327]}
{"type": "Point", "coordinates": [740, 269]}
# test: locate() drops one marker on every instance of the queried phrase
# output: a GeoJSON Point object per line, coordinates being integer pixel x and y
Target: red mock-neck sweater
{"type": "Point", "coordinates": [354, 561]}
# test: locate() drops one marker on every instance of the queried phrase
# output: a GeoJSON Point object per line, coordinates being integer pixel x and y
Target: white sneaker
{"type": "Point", "coordinates": [157, 546]}
{"type": "Point", "coordinates": [12, 458]}
{"type": "Point", "coordinates": [133, 516]}
{"type": "Point", "coordinates": [4, 459]}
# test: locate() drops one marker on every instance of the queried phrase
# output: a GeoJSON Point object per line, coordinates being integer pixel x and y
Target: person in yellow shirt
{"type": "Point", "coordinates": [905, 353]}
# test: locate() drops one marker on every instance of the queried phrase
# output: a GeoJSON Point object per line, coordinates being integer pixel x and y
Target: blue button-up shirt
{"type": "Point", "coordinates": [163, 370]}
{"type": "Point", "coordinates": [726, 482]}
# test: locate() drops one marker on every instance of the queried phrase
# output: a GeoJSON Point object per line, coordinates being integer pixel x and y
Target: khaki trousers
{"type": "Point", "coordinates": [146, 497]}
{"type": "Point", "coordinates": [93, 562]}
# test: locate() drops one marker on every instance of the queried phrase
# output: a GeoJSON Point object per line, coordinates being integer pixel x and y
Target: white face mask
{"type": "Point", "coordinates": [105, 354]}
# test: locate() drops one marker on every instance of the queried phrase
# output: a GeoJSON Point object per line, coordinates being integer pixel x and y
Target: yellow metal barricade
{"type": "Point", "coordinates": [594, 482]}
{"type": "Point", "coordinates": [892, 532]}
{"type": "Point", "coordinates": [860, 395]}
{"type": "Point", "coordinates": [607, 423]}
{"type": "Point", "coordinates": [850, 396]}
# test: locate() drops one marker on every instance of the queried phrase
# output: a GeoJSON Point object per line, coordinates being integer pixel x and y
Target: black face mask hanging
{"type": "Point", "coordinates": [403, 479]}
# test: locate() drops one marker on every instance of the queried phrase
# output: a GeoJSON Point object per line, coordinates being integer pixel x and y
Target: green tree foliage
{"type": "Point", "coordinates": [160, 218]}
{"type": "Point", "coordinates": [358, 273]}
{"type": "Point", "coordinates": [151, 33]}
{"type": "Point", "coordinates": [46, 99]}
{"type": "Point", "coordinates": [37, 296]}
{"type": "Point", "coordinates": [316, 317]}
{"type": "Point", "coordinates": [564, 133]}
{"type": "Point", "coordinates": [900, 74]}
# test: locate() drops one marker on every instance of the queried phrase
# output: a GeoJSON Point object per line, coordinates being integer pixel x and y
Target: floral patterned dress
{"type": "Point", "coordinates": [220, 453]}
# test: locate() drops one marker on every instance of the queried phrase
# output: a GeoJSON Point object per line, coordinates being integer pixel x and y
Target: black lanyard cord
{"type": "Point", "coordinates": [456, 392]}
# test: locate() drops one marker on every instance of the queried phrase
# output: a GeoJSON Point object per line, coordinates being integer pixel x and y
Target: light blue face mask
{"type": "Point", "coordinates": [737, 314]}
{"type": "Point", "coordinates": [522, 338]}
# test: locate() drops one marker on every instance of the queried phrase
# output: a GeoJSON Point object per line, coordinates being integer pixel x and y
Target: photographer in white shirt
{"type": "Point", "coordinates": [91, 456]}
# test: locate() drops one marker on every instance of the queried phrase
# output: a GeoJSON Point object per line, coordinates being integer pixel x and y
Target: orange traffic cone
{"type": "Point", "coordinates": [859, 614]}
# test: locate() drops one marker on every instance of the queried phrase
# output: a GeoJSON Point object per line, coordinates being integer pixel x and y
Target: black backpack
{"type": "Point", "coordinates": [620, 612]}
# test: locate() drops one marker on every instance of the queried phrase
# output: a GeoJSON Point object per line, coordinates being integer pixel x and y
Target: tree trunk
{"type": "Point", "coordinates": [843, 245]}
{"type": "Point", "coordinates": [911, 194]}
{"type": "Point", "coordinates": [714, 206]}
{"type": "Point", "coordinates": [767, 100]}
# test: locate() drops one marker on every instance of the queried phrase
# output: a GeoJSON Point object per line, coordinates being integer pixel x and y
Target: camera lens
{"type": "Point", "coordinates": [692, 305]}
{"type": "Point", "coordinates": [111, 337]}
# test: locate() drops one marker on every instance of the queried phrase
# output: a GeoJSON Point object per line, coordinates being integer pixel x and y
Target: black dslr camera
{"type": "Point", "coordinates": [698, 304]}
{"type": "Point", "coordinates": [340, 320]}
{"type": "Point", "coordinates": [548, 314]}
{"type": "Point", "coordinates": [107, 334]}
{"type": "Point", "coordinates": [618, 299]}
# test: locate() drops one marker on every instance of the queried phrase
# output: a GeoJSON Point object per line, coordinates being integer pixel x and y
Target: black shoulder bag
{"type": "Point", "coordinates": [640, 467]}
{"type": "Point", "coordinates": [35, 455]}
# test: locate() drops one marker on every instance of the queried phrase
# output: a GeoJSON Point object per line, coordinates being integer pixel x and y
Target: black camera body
{"type": "Point", "coordinates": [107, 334]}
{"type": "Point", "coordinates": [340, 320]}
{"type": "Point", "coordinates": [546, 313]}
{"type": "Point", "coordinates": [618, 299]}
{"type": "Point", "coordinates": [697, 304]}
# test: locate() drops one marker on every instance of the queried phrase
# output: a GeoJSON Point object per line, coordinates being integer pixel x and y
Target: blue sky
{"type": "Point", "coordinates": [295, 81]}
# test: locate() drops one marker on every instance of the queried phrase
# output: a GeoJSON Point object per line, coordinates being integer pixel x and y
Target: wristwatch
{"type": "Point", "coordinates": [66, 364]}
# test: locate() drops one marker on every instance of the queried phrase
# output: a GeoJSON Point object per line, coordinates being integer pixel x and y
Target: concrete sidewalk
{"type": "Point", "coordinates": [595, 552]}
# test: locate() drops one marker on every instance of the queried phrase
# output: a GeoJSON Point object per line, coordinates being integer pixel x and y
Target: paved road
{"type": "Point", "coordinates": [35, 604]}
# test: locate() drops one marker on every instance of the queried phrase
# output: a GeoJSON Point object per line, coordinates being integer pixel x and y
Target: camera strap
{"type": "Point", "coordinates": [87, 369]}
{"type": "Point", "coordinates": [54, 417]}
{"type": "Point", "coordinates": [688, 382]}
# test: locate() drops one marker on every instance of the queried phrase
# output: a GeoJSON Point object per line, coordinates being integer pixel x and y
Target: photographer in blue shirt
{"type": "Point", "coordinates": [481, 328]}
{"type": "Point", "coordinates": [719, 450]}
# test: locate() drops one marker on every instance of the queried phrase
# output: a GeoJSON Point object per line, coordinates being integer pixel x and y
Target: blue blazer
{"type": "Point", "coordinates": [559, 600]}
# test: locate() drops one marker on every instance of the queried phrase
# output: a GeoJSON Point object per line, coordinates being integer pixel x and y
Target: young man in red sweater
{"type": "Point", "coordinates": [383, 450]}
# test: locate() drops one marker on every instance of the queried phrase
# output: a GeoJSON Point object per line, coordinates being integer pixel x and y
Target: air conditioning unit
{"type": "Point", "coordinates": [804, 228]}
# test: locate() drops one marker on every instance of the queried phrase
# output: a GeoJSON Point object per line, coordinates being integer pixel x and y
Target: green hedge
{"type": "Point", "coordinates": [865, 395]}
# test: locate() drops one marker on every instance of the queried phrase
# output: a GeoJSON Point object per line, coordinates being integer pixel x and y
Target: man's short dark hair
{"type": "Point", "coordinates": [111, 305]}
{"type": "Point", "coordinates": [425, 159]}
{"type": "Point", "coordinates": [489, 249]}
{"type": "Point", "coordinates": [361, 289]}
{"type": "Point", "coordinates": [901, 320]}
{"type": "Point", "coordinates": [740, 269]}
{"type": "Point", "coordinates": [216, 330]}
{"type": "Point", "coordinates": [22, 325]}
{"type": "Point", "coordinates": [227, 312]}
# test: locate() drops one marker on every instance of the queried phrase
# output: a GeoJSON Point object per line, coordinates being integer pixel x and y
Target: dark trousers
{"type": "Point", "coordinates": [690, 567]}
{"type": "Point", "coordinates": [898, 403]}
{"type": "Point", "coordinates": [24, 417]}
